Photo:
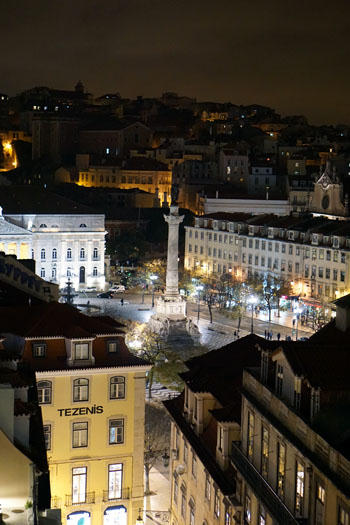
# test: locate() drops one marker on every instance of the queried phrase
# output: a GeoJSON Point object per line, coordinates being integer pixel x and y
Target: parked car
{"type": "Point", "coordinates": [105, 295]}
{"type": "Point", "coordinates": [117, 288]}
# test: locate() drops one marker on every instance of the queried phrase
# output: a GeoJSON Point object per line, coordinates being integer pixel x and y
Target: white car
{"type": "Point", "coordinates": [117, 288]}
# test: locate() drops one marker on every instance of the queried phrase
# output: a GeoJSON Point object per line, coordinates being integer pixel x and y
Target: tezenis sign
{"type": "Point", "coordinates": [80, 411]}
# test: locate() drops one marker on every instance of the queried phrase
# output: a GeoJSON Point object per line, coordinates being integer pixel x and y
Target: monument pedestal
{"type": "Point", "coordinates": [170, 321]}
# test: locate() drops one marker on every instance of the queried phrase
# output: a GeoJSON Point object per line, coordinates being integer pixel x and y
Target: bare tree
{"type": "Point", "coordinates": [157, 438]}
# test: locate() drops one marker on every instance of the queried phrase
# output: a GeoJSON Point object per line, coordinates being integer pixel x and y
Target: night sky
{"type": "Point", "coordinates": [293, 56]}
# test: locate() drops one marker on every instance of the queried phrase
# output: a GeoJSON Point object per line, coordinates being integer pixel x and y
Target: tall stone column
{"type": "Point", "coordinates": [172, 271]}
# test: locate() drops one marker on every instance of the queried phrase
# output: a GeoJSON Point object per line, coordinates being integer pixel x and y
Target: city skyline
{"type": "Point", "coordinates": [270, 54]}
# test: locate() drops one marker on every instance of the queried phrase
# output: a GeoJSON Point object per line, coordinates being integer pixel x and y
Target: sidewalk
{"type": "Point", "coordinates": [157, 504]}
{"type": "Point", "coordinates": [285, 319]}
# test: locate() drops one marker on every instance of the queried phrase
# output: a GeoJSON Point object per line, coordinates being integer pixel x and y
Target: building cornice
{"type": "Point", "coordinates": [92, 371]}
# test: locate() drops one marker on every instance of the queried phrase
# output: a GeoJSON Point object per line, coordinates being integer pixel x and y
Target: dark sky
{"type": "Point", "coordinates": [293, 56]}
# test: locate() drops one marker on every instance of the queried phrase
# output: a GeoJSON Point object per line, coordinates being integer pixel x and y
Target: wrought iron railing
{"type": "Point", "coordinates": [110, 495]}
{"type": "Point", "coordinates": [88, 497]}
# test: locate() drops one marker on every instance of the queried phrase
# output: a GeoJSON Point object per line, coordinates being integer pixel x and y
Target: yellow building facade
{"type": "Point", "coordinates": [91, 391]}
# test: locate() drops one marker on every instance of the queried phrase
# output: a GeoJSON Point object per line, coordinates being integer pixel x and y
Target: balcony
{"type": "Point", "coordinates": [262, 489]}
{"type": "Point", "coordinates": [88, 497]}
{"type": "Point", "coordinates": [108, 495]}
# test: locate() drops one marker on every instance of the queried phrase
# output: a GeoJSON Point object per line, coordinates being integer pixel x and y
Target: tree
{"type": "Point", "coordinates": [157, 437]}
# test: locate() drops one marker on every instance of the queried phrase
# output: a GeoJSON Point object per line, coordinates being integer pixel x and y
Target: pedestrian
{"type": "Point", "coordinates": [122, 301]}
{"type": "Point", "coordinates": [278, 336]}
{"type": "Point", "coordinates": [235, 334]}
{"type": "Point", "coordinates": [270, 336]}
{"type": "Point", "coordinates": [265, 334]}
{"type": "Point", "coordinates": [293, 323]}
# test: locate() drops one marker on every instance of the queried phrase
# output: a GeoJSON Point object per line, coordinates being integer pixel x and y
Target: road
{"type": "Point", "coordinates": [138, 307]}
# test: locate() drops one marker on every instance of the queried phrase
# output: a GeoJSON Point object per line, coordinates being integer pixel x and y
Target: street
{"type": "Point", "coordinates": [138, 307]}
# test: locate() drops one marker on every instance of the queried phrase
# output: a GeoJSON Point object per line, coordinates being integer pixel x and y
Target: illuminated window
{"type": "Point", "coordinates": [281, 468]}
{"type": "Point", "coordinates": [112, 346]}
{"type": "Point", "coordinates": [117, 387]}
{"type": "Point", "coordinates": [80, 390]}
{"type": "Point", "coordinates": [115, 480]}
{"type": "Point", "coordinates": [250, 436]}
{"type": "Point", "coordinates": [44, 392]}
{"type": "Point", "coordinates": [39, 349]}
{"type": "Point", "coordinates": [299, 488]}
{"type": "Point", "coordinates": [116, 431]}
{"type": "Point", "coordinates": [81, 351]}
{"type": "Point", "coordinates": [80, 434]}
{"type": "Point", "coordinates": [79, 485]}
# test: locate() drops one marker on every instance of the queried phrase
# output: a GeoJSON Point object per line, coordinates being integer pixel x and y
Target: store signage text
{"type": "Point", "coordinates": [80, 411]}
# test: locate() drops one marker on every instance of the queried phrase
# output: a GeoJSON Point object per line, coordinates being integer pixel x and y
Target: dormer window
{"type": "Point", "coordinates": [43, 226]}
{"type": "Point", "coordinates": [112, 346]}
{"type": "Point", "coordinates": [81, 351]}
{"type": "Point", "coordinates": [336, 242]}
{"type": "Point", "coordinates": [82, 226]}
{"type": "Point", "coordinates": [291, 236]}
{"type": "Point", "coordinates": [39, 349]}
{"type": "Point", "coordinates": [314, 238]}
{"type": "Point", "coordinates": [215, 225]}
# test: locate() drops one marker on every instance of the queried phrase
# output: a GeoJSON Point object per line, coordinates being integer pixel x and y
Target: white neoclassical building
{"type": "Point", "coordinates": [62, 245]}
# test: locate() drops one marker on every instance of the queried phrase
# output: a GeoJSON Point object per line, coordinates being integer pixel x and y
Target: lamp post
{"type": "Point", "coordinates": [252, 300]}
{"type": "Point", "coordinates": [198, 289]}
{"type": "Point", "coordinates": [153, 278]}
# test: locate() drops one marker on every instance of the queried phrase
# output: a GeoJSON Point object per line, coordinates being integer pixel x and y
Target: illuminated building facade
{"type": "Point", "coordinates": [312, 253]}
{"type": "Point", "coordinates": [67, 244]}
{"type": "Point", "coordinates": [91, 391]}
{"type": "Point", "coordinates": [7, 139]}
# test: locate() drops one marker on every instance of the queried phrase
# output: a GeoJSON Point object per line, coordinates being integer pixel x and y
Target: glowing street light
{"type": "Point", "coordinates": [252, 300]}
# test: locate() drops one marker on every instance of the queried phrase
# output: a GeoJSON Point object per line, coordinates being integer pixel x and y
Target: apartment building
{"type": "Point", "coordinates": [205, 420]}
{"type": "Point", "coordinates": [312, 253]}
{"type": "Point", "coordinates": [91, 392]}
{"type": "Point", "coordinates": [293, 461]}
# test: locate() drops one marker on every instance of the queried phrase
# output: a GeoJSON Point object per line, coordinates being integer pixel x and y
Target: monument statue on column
{"type": "Point", "coordinates": [170, 318]}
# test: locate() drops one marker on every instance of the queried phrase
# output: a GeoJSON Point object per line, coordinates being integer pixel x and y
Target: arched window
{"type": "Point", "coordinates": [54, 253]}
{"type": "Point", "coordinates": [95, 271]}
{"type": "Point", "coordinates": [43, 226]}
{"type": "Point", "coordinates": [44, 392]}
{"type": "Point", "coordinates": [80, 390]}
{"type": "Point", "coordinates": [43, 253]}
{"type": "Point", "coordinates": [82, 274]}
{"type": "Point", "coordinates": [117, 387]}
{"type": "Point", "coordinates": [95, 253]}
{"type": "Point", "coordinates": [42, 272]}
{"type": "Point", "coordinates": [69, 253]}
{"type": "Point", "coordinates": [82, 253]}
{"type": "Point", "coordinates": [82, 226]}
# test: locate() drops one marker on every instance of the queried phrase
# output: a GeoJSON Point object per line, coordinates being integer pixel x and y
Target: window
{"type": "Point", "coordinates": [262, 515]}
{"type": "Point", "coordinates": [277, 247]}
{"type": "Point", "coordinates": [53, 273]}
{"type": "Point", "coordinates": [42, 272]}
{"type": "Point", "coordinates": [82, 253]}
{"type": "Point", "coordinates": [250, 436]}
{"type": "Point", "coordinates": [116, 431]}
{"type": "Point", "coordinates": [207, 491]}
{"type": "Point", "coordinates": [47, 436]}
{"type": "Point", "coordinates": [320, 494]}
{"type": "Point", "coordinates": [69, 272]}
{"type": "Point", "coordinates": [290, 249]}
{"type": "Point", "coordinates": [185, 453]}
{"type": "Point", "coordinates": [279, 380]}
{"type": "Point", "coordinates": [112, 346]}
{"type": "Point", "coordinates": [342, 276]}
{"type": "Point", "coordinates": [44, 392]}
{"type": "Point", "coordinates": [80, 390]}
{"type": "Point", "coordinates": [81, 351]}
{"type": "Point", "coordinates": [328, 255]}
{"type": "Point", "coordinates": [80, 434]}
{"type": "Point", "coordinates": [343, 516]}
{"type": "Point", "coordinates": [94, 271]}
{"type": "Point", "coordinates": [54, 253]}
{"type": "Point", "coordinates": [247, 510]}
{"type": "Point", "coordinates": [264, 451]}
{"type": "Point", "coordinates": [216, 505]}
{"type": "Point", "coordinates": [328, 273]}
{"type": "Point", "coordinates": [194, 466]}
{"type": "Point", "coordinates": [320, 272]}
{"type": "Point", "coordinates": [183, 500]}
{"type": "Point", "coordinates": [297, 392]}
{"type": "Point", "coordinates": [117, 387]}
{"type": "Point", "coordinates": [79, 485]}
{"type": "Point", "coordinates": [176, 486]}
{"type": "Point", "coordinates": [42, 226]}
{"type": "Point", "coordinates": [82, 226]}
{"type": "Point", "coordinates": [115, 480]}
{"type": "Point", "coordinates": [192, 506]}
{"type": "Point", "coordinates": [299, 488]}
{"type": "Point", "coordinates": [95, 253]}
{"type": "Point", "coordinates": [335, 275]}
{"type": "Point", "coordinates": [281, 468]}
{"type": "Point", "coordinates": [227, 517]}
{"type": "Point", "coordinates": [39, 349]}
{"type": "Point", "coordinates": [69, 253]}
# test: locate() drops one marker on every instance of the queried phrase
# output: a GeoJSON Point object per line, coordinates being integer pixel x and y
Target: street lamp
{"type": "Point", "coordinates": [198, 289]}
{"type": "Point", "coordinates": [153, 278]}
{"type": "Point", "coordinates": [252, 300]}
